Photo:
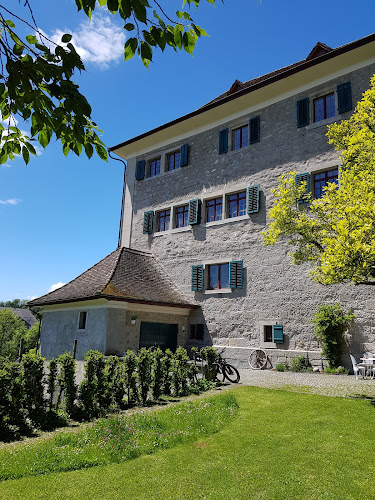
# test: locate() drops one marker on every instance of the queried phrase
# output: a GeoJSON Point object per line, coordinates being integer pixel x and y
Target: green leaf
{"type": "Point", "coordinates": [129, 27]}
{"type": "Point", "coordinates": [139, 11]}
{"type": "Point", "coordinates": [89, 150]}
{"type": "Point", "coordinates": [130, 48]}
{"type": "Point", "coordinates": [146, 51]}
{"type": "Point", "coordinates": [18, 49]}
{"type": "Point", "coordinates": [102, 152]}
{"type": "Point", "coordinates": [31, 39]}
{"type": "Point", "coordinates": [31, 148]}
{"type": "Point", "coordinates": [26, 155]}
{"type": "Point", "coordinates": [66, 38]}
{"type": "Point", "coordinates": [44, 137]}
{"type": "Point", "coordinates": [10, 23]}
{"type": "Point", "coordinates": [112, 5]}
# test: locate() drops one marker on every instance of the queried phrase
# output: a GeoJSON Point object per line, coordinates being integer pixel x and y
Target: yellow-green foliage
{"type": "Point", "coordinates": [337, 231]}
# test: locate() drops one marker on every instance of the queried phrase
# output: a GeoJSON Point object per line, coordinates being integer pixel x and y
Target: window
{"type": "Point", "coordinates": [322, 179]}
{"type": "Point", "coordinates": [218, 276]}
{"type": "Point", "coordinates": [236, 204]}
{"type": "Point", "coordinates": [82, 320]}
{"type": "Point", "coordinates": [324, 107]}
{"type": "Point", "coordinates": [154, 167]}
{"type": "Point", "coordinates": [240, 137]}
{"type": "Point", "coordinates": [273, 333]}
{"type": "Point", "coordinates": [173, 161]}
{"type": "Point", "coordinates": [214, 209]}
{"type": "Point", "coordinates": [182, 216]}
{"type": "Point", "coordinates": [163, 218]}
{"type": "Point", "coordinates": [197, 332]}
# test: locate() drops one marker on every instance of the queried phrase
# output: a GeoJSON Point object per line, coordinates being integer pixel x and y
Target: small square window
{"type": "Point", "coordinates": [154, 167]}
{"type": "Point", "coordinates": [173, 161]}
{"type": "Point", "coordinates": [321, 180]}
{"type": "Point", "coordinates": [82, 320]}
{"type": "Point", "coordinates": [214, 209]}
{"type": "Point", "coordinates": [240, 137]}
{"type": "Point", "coordinates": [163, 219]}
{"type": "Point", "coordinates": [218, 276]}
{"type": "Point", "coordinates": [236, 204]}
{"type": "Point", "coordinates": [182, 216]}
{"type": "Point", "coordinates": [197, 332]}
{"type": "Point", "coordinates": [268, 333]}
{"type": "Point", "coordinates": [324, 107]}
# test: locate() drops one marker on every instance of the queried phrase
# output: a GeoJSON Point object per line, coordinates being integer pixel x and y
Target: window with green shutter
{"type": "Point", "coordinates": [303, 112]}
{"type": "Point", "coordinates": [252, 199]}
{"type": "Point", "coordinates": [300, 179]}
{"type": "Point", "coordinates": [236, 274]}
{"type": "Point", "coordinates": [278, 334]}
{"type": "Point", "coordinates": [197, 278]}
{"type": "Point", "coordinates": [140, 170]}
{"type": "Point", "coordinates": [223, 141]}
{"type": "Point", "coordinates": [344, 97]}
{"type": "Point", "coordinates": [148, 221]}
{"type": "Point", "coordinates": [184, 155]}
{"type": "Point", "coordinates": [254, 127]}
{"type": "Point", "coordinates": [194, 211]}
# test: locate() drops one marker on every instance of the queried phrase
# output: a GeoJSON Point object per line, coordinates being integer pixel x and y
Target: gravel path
{"type": "Point", "coordinates": [314, 383]}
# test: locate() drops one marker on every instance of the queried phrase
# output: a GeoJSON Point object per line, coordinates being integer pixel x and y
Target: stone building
{"type": "Point", "coordinates": [197, 194]}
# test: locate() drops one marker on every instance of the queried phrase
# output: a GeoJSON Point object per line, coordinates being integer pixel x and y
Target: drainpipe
{"type": "Point", "coordinates": [123, 199]}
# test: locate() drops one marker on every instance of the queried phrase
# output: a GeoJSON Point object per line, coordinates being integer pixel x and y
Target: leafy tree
{"type": "Point", "coordinates": [12, 328]}
{"type": "Point", "coordinates": [36, 79]}
{"type": "Point", "coordinates": [17, 303]}
{"type": "Point", "coordinates": [336, 233]}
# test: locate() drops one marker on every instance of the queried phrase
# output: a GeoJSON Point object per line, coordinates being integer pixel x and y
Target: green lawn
{"type": "Point", "coordinates": [280, 445]}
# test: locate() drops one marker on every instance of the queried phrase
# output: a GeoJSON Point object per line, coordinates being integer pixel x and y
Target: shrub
{"type": "Point", "coordinates": [33, 384]}
{"type": "Point", "coordinates": [144, 373]}
{"type": "Point", "coordinates": [51, 381]}
{"type": "Point", "coordinates": [130, 365]}
{"type": "Point", "coordinates": [280, 367]}
{"type": "Point", "coordinates": [157, 373]}
{"type": "Point", "coordinates": [209, 354]}
{"type": "Point", "coordinates": [114, 382]}
{"type": "Point", "coordinates": [167, 365]}
{"type": "Point", "coordinates": [298, 364]}
{"type": "Point", "coordinates": [67, 382]}
{"type": "Point", "coordinates": [180, 371]}
{"type": "Point", "coordinates": [337, 371]}
{"type": "Point", "coordinates": [330, 323]}
{"type": "Point", "coordinates": [93, 387]}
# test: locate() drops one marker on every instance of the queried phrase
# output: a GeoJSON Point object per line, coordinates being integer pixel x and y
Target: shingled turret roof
{"type": "Point", "coordinates": [125, 274]}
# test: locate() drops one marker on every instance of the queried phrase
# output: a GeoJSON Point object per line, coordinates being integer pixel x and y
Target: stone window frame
{"type": "Point", "coordinates": [206, 264]}
{"type": "Point", "coordinates": [185, 206]}
{"type": "Point", "coordinates": [157, 217]}
{"type": "Point", "coordinates": [239, 124]}
{"type": "Point", "coordinates": [262, 339]}
{"type": "Point", "coordinates": [329, 89]}
{"type": "Point", "coordinates": [163, 155]}
{"type": "Point", "coordinates": [321, 171]}
{"type": "Point", "coordinates": [80, 313]}
{"type": "Point", "coordinates": [241, 128]}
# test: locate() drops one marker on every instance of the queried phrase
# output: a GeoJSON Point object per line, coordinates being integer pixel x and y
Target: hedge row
{"type": "Point", "coordinates": [32, 397]}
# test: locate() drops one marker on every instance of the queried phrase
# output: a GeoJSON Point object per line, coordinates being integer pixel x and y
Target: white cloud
{"type": "Point", "coordinates": [99, 41]}
{"type": "Point", "coordinates": [10, 201]}
{"type": "Point", "coordinates": [31, 297]}
{"type": "Point", "coordinates": [6, 165]}
{"type": "Point", "coordinates": [55, 286]}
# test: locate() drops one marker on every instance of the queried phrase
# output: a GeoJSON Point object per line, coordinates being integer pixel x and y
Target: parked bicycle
{"type": "Point", "coordinates": [225, 371]}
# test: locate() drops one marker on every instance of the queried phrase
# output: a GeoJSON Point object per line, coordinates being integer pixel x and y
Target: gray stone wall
{"type": "Point", "coordinates": [60, 328]}
{"type": "Point", "coordinates": [273, 289]}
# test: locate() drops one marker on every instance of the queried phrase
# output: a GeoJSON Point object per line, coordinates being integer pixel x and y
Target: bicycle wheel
{"type": "Point", "coordinates": [231, 373]}
{"type": "Point", "coordinates": [257, 359]}
{"type": "Point", "coordinates": [220, 374]}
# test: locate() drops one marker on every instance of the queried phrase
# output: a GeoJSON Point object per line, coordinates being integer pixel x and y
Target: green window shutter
{"type": "Point", "coordinates": [300, 178]}
{"type": "Point", "coordinates": [252, 199]}
{"type": "Point", "coordinates": [344, 97]}
{"type": "Point", "coordinates": [184, 152]}
{"type": "Point", "coordinates": [194, 211]}
{"type": "Point", "coordinates": [199, 331]}
{"type": "Point", "coordinates": [254, 127]}
{"type": "Point", "coordinates": [148, 221]}
{"type": "Point", "coordinates": [140, 170]}
{"type": "Point", "coordinates": [236, 274]}
{"type": "Point", "coordinates": [278, 334]}
{"type": "Point", "coordinates": [223, 141]}
{"type": "Point", "coordinates": [197, 281]}
{"type": "Point", "coordinates": [303, 112]}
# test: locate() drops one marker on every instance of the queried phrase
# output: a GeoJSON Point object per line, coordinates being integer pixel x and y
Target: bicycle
{"type": "Point", "coordinates": [258, 359]}
{"type": "Point", "coordinates": [225, 371]}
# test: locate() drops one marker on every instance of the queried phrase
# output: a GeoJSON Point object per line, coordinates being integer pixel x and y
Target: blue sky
{"type": "Point", "coordinates": [60, 216]}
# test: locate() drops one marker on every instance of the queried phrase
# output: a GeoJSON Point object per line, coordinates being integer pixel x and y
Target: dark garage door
{"type": "Point", "coordinates": [160, 334]}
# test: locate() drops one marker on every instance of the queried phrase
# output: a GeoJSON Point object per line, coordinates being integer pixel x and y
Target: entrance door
{"type": "Point", "coordinates": [160, 334]}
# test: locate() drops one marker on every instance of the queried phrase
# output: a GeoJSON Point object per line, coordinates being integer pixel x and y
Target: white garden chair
{"type": "Point", "coordinates": [358, 368]}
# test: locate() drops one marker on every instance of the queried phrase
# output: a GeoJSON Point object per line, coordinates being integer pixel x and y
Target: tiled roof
{"type": "Point", "coordinates": [318, 50]}
{"type": "Point", "coordinates": [124, 274]}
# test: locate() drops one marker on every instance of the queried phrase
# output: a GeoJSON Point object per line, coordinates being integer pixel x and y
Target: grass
{"type": "Point", "coordinates": [118, 438]}
{"type": "Point", "coordinates": [280, 445]}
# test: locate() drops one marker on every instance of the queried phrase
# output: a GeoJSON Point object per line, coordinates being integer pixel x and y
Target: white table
{"type": "Point", "coordinates": [369, 366]}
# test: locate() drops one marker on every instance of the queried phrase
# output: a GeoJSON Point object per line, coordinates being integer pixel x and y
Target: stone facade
{"type": "Point", "coordinates": [273, 291]}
